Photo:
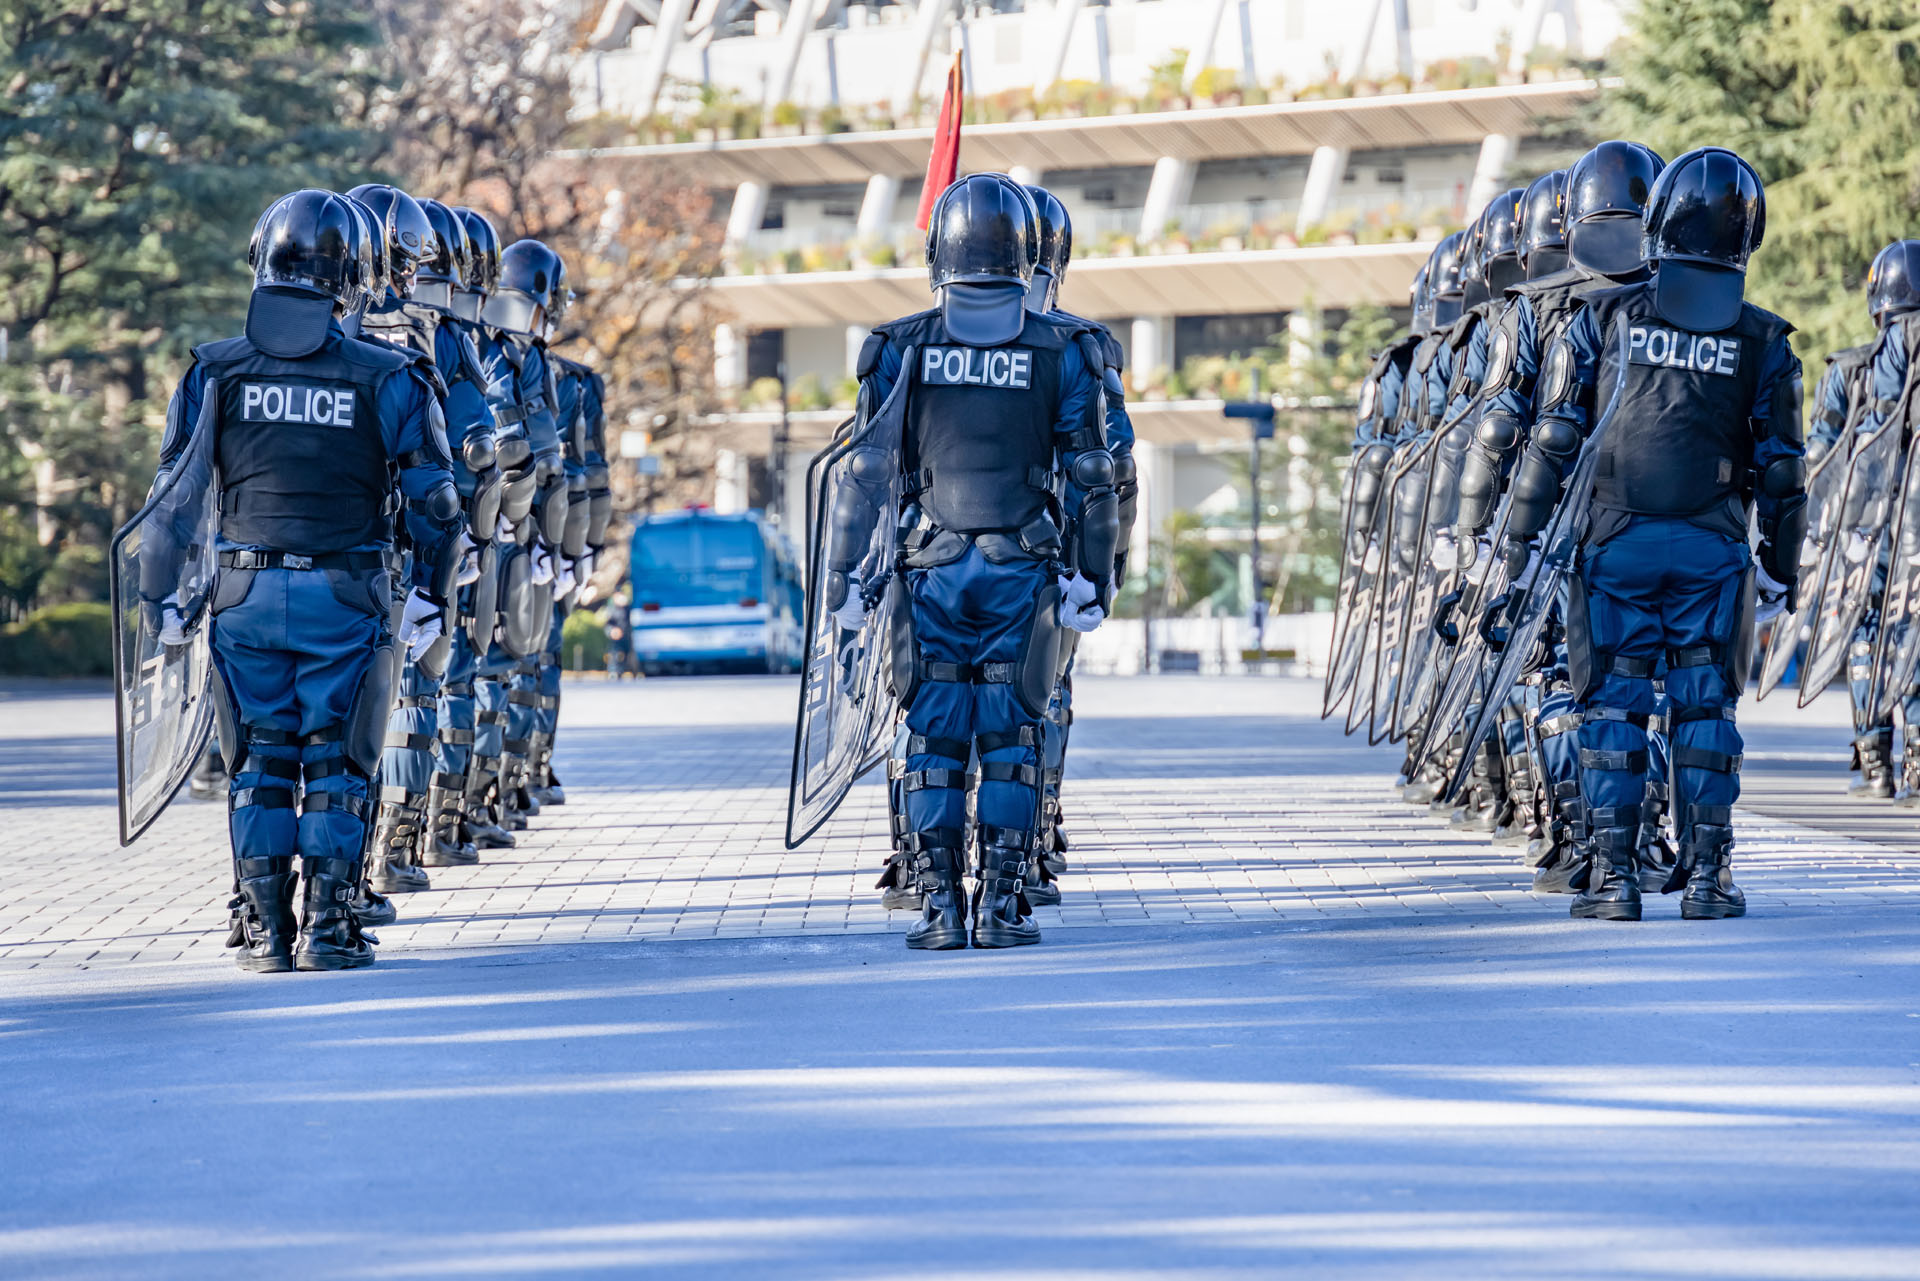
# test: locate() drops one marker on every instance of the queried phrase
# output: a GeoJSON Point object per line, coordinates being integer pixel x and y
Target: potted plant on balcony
{"type": "Point", "coordinates": [1314, 235]}
{"type": "Point", "coordinates": [1342, 231]}
{"type": "Point", "coordinates": [1173, 239]}
{"type": "Point", "coordinates": [1217, 86]}
{"type": "Point", "coordinates": [833, 120]}
{"type": "Point", "coordinates": [784, 120]}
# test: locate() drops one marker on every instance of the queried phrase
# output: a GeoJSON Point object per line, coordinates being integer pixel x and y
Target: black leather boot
{"type": "Point", "coordinates": [899, 885]}
{"type": "Point", "coordinates": [1481, 809]}
{"type": "Point", "coordinates": [1045, 867]}
{"type": "Point", "coordinates": [1706, 868]}
{"type": "Point", "coordinates": [1656, 855]}
{"type": "Point", "coordinates": [1875, 750]}
{"type": "Point", "coordinates": [1909, 767]}
{"type": "Point", "coordinates": [443, 844]}
{"type": "Point", "coordinates": [390, 862]}
{"type": "Point", "coordinates": [1610, 890]}
{"type": "Point", "coordinates": [208, 782]}
{"type": "Point", "coordinates": [262, 924]}
{"type": "Point", "coordinates": [942, 926]}
{"type": "Point", "coordinates": [486, 833]}
{"type": "Point", "coordinates": [550, 792]}
{"type": "Point", "coordinates": [330, 933]}
{"type": "Point", "coordinates": [1001, 915]}
{"type": "Point", "coordinates": [1518, 827]}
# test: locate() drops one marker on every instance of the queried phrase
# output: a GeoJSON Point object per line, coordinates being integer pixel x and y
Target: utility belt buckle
{"type": "Point", "coordinates": [290, 561]}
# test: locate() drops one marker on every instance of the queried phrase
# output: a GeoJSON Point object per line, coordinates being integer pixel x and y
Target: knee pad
{"type": "Point", "coordinates": [365, 732]}
{"type": "Point", "coordinates": [1038, 669]}
{"type": "Point", "coordinates": [903, 650]}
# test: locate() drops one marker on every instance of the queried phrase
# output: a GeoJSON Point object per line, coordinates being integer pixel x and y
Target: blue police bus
{"type": "Point", "coordinates": [714, 593]}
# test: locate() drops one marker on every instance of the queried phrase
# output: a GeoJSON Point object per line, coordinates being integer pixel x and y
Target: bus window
{"type": "Point", "coordinates": [697, 562]}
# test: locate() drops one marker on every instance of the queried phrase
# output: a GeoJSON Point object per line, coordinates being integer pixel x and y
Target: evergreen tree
{"type": "Point", "coordinates": [1823, 98]}
{"type": "Point", "coordinates": [139, 140]}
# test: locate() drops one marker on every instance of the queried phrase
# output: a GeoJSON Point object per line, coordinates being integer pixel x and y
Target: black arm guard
{"type": "Point", "coordinates": [574, 540]}
{"type": "Point", "coordinates": [599, 503]}
{"type": "Point", "coordinates": [1486, 462]}
{"type": "Point", "coordinates": [856, 506]}
{"type": "Point", "coordinates": [1095, 535]}
{"type": "Point", "coordinates": [1443, 499]}
{"type": "Point", "coordinates": [1537, 481]}
{"type": "Point", "coordinates": [1126, 487]}
{"type": "Point", "coordinates": [1781, 532]}
{"type": "Point", "coordinates": [1372, 468]}
{"type": "Point", "coordinates": [553, 509]}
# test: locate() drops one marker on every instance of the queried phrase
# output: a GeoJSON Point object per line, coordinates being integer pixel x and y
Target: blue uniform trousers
{"type": "Point", "coordinates": [293, 655]}
{"type": "Point", "coordinates": [454, 748]}
{"type": "Point", "coordinates": [971, 613]}
{"type": "Point", "coordinates": [1662, 590]}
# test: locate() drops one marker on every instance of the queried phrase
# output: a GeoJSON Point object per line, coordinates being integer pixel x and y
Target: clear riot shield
{"type": "Point", "coordinates": [1511, 622]}
{"type": "Point", "coordinates": [847, 701]}
{"type": "Point", "coordinates": [1847, 564]}
{"type": "Point", "coordinates": [1355, 609]}
{"type": "Point", "coordinates": [1352, 557]}
{"type": "Point", "coordinates": [1824, 483]}
{"type": "Point", "coordinates": [1896, 648]}
{"type": "Point", "coordinates": [1421, 650]}
{"type": "Point", "coordinates": [1407, 568]}
{"type": "Point", "coordinates": [164, 559]}
{"type": "Point", "coordinates": [1381, 579]}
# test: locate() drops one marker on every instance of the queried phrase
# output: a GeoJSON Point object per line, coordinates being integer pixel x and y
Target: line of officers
{"type": "Point", "coordinates": [412, 492]}
{"type": "Point", "coordinates": [1589, 446]}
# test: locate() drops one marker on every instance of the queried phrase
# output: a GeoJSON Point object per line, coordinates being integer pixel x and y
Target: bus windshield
{"type": "Point", "coordinates": [696, 562]}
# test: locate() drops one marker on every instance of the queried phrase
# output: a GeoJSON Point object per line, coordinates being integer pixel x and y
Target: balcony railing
{"type": "Point", "coordinates": [1226, 227]}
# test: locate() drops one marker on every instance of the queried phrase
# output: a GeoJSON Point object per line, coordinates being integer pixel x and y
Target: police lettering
{"type": "Point", "coordinates": [977, 367]}
{"type": "Point", "coordinates": [278, 403]}
{"type": "Point", "coordinates": [1678, 349]}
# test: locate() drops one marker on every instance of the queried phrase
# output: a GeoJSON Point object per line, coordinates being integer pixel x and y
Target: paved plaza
{"type": "Point", "coordinates": [1281, 1022]}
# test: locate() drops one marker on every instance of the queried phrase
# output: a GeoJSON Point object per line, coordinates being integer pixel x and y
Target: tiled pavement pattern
{"type": "Point", "coordinates": [1190, 801]}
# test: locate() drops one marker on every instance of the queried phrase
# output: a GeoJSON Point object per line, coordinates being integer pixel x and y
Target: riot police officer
{"type": "Point", "coordinates": [988, 572]}
{"type": "Point", "coordinates": [1571, 244]}
{"type": "Point", "coordinates": [1703, 433]}
{"type": "Point", "coordinates": [311, 426]}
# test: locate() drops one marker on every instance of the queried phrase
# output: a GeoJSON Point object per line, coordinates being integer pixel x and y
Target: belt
{"type": "Point", "coordinates": [246, 558]}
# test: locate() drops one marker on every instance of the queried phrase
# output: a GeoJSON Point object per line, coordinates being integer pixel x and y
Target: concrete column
{"type": "Point", "coordinates": [729, 358]}
{"type": "Point", "coordinates": [1490, 172]}
{"type": "Point", "coordinates": [730, 483]}
{"type": "Point", "coordinates": [1152, 348]}
{"type": "Point", "coordinates": [1304, 332]}
{"type": "Point", "coordinates": [1167, 193]}
{"type": "Point", "coordinates": [1324, 175]}
{"type": "Point", "coordinates": [1066, 14]}
{"type": "Point", "coordinates": [1025, 175]}
{"type": "Point", "coordinates": [748, 212]}
{"type": "Point", "coordinates": [666, 34]}
{"type": "Point", "coordinates": [926, 25]}
{"type": "Point", "coordinates": [1369, 20]}
{"type": "Point", "coordinates": [1209, 38]}
{"type": "Point", "coordinates": [793, 40]}
{"type": "Point", "coordinates": [856, 339]}
{"type": "Point", "coordinates": [1402, 39]}
{"type": "Point", "coordinates": [1154, 464]}
{"type": "Point", "coordinates": [876, 207]}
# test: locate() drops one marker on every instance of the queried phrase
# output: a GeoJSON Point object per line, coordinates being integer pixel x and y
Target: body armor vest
{"type": "Point", "coordinates": [1557, 299]}
{"type": "Point", "coordinates": [1850, 367]}
{"type": "Point", "coordinates": [1413, 397]}
{"type": "Point", "coordinates": [303, 464]}
{"type": "Point", "coordinates": [979, 447]}
{"type": "Point", "coordinates": [1681, 442]}
{"type": "Point", "coordinates": [401, 324]}
{"type": "Point", "coordinates": [1397, 357]}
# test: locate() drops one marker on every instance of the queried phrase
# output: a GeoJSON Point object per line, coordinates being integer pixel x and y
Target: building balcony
{"type": "Point", "coordinates": [1386, 121]}
{"type": "Point", "coordinates": [1216, 283]}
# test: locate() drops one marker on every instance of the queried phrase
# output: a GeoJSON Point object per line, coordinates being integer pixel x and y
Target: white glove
{"type": "Point", "coordinates": [173, 626]}
{"type": "Point", "coordinates": [562, 576]}
{"type": "Point", "coordinates": [420, 624]}
{"type": "Point", "coordinates": [1445, 555]}
{"type": "Point", "coordinates": [1773, 597]}
{"type": "Point", "coordinates": [469, 567]}
{"type": "Point", "coordinates": [503, 531]}
{"type": "Point", "coordinates": [542, 566]}
{"type": "Point", "coordinates": [1080, 604]}
{"type": "Point", "coordinates": [852, 613]}
{"type": "Point", "coordinates": [1858, 547]}
{"type": "Point", "coordinates": [1371, 561]}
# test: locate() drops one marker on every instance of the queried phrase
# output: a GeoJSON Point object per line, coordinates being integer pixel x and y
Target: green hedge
{"type": "Point", "coordinates": [61, 640]}
{"type": "Point", "coordinates": [585, 632]}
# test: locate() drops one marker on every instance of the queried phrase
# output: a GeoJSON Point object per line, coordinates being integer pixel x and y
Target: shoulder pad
{"type": "Point", "coordinates": [224, 349]}
{"type": "Point", "coordinates": [1772, 326]}
{"type": "Point", "coordinates": [1110, 379]}
{"type": "Point", "coordinates": [1115, 353]}
{"type": "Point", "coordinates": [1092, 350]}
{"type": "Point", "coordinates": [870, 350]}
{"type": "Point", "coordinates": [429, 378]}
{"type": "Point", "coordinates": [372, 354]}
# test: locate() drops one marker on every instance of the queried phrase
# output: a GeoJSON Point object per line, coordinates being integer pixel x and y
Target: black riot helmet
{"type": "Point", "coordinates": [559, 297]}
{"type": "Point", "coordinates": [410, 238]}
{"type": "Point", "coordinates": [1706, 216]}
{"type": "Point", "coordinates": [1542, 239]}
{"type": "Point", "coordinates": [1056, 250]}
{"type": "Point", "coordinates": [1473, 266]}
{"type": "Point", "coordinates": [483, 264]}
{"type": "Point", "coordinates": [310, 261]}
{"type": "Point", "coordinates": [529, 274]}
{"type": "Point", "coordinates": [1606, 208]}
{"type": "Point", "coordinates": [1443, 278]}
{"type": "Point", "coordinates": [378, 279]}
{"type": "Point", "coordinates": [1421, 299]}
{"type": "Point", "coordinates": [445, 270]}
{"type": "Point", "coordinates": [1893, 282]}
{"type": "Point", "coordinates": [984, 230]}
{"type": "Point", "coordinates": [1500, 242]}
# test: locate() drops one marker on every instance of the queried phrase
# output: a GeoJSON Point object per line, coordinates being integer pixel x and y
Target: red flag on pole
{"type": "Point", "coordinates": [944, 165]}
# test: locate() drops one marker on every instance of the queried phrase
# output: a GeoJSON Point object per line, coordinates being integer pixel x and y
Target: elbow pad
{"type": "Point", "coordinates": [511, 447]}
{"type": "Point", "coordinates": [546, 467]}
{"type": "Point", "coordinates": [517, 499]}
{"type": "Point", "coordinates": [1092, 469]}
{"type": "Point", "coordinates": [851, 527]}
{"type": "Point", "coordinates": [1784, 478]}
{"type": "Point", "coordinates": [443, 504]}
{"type": "Point", "coordinates": [477, 452]}
{"type": "Point", "coordinates": [1372, 466]}
{"type": "Point", "coordinates": [1480, 471]}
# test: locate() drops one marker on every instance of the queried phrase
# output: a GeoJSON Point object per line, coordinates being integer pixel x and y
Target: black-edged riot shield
{"type": "Point", "coordinates": [1824, 484]}
{"type": "Point", "coordinates": [1896, 646]}
{"type": "Point", "coordinates": [1353, 550]}
{"type": "Point", "coordinates": [164, 561]}
{"type": "Point", "coordinates": [1511, 623]}
{"type": "Point", "coordinates": [848, 704]}
{"type": "Point", "coordinates": [1354, 612]}
{"type": "Point", "coordinates": [1847, 565]}
{"type": "Point", "coordinates": [1438, 575]}
{"type": "Point", "coordinates": [1406, 544]}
